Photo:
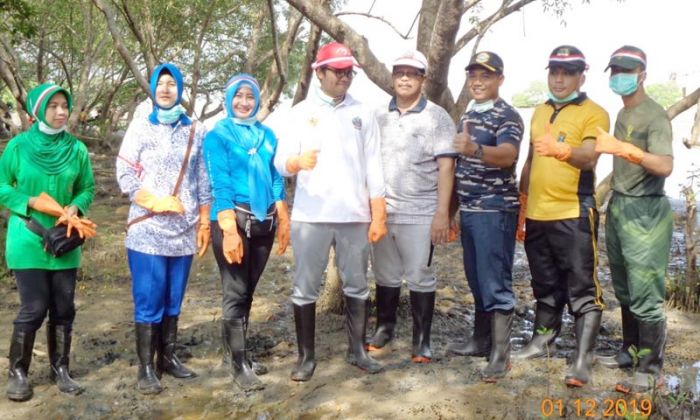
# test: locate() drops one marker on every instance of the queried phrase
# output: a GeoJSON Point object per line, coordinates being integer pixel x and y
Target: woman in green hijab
{"type": "Point", "coordinates": [45, 174]}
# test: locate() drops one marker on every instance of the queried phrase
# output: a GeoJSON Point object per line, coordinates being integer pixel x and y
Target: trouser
{"type": "Point", "coordinates": [158, 285]}
{"type": "Point", "coordinates": [405, 252]}
{"type": "Point", "coordinates": [42, 291]}
{"type": "Point", "coordinates": [563, 263]}
{"type": "Point", "coordinates": [312, 243]}
{"type": "Point", "coordinates": [488, 243]}
{"type": "Point", "coordinates": [638, 237]}
{"type": "Point", "coordinates": [239, 281]}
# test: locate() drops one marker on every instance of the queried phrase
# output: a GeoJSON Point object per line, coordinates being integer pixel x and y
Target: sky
{"type": "Point", "coordinates": [663, 29]}
{"type": "Point", "coordinates": [525, 39]}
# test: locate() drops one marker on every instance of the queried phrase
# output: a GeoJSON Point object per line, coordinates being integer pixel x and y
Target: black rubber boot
{"type": "Point", "coordinates": [652, 336]}
{"type": "Point", "coordinates": [387, 304]}
{"type": "Point", "coordinates": [305, 322]}
{"type": "Point", "coordinates": [545, 317]}
{"type": "Point", "coordinates": [480, 342]}
{"type": "Point", "coordinates": [21, 345]}
{"type": "Point", "coordinates": [356, 324]}
{"type": "Point", "coordinates": [258, 368]}
{"type": "Point", "coordinates": [499, 359]}
{"type": "Point", "coordinates": [587, 326]}
{"type": "Point", "coordinates": [243, 375]}
{"type": "Point", "coordinates": [147, 336]}
{"type": "Point", "coordinates": [630, 336]}
{"type": "Point", "coordinates": [422, 306]}
{"type": "Point", "coordinates": [58, 342]}
{"type": "Point", "coordinates": [168, 361]}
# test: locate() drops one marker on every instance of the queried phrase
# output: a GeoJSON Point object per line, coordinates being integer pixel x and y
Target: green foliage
{"type": "Point", "coordinates": [16, 18]}
{"type": "Point", "coordinates": [666, 94]}
{"type": "Point", "coordinates": [534, 95]}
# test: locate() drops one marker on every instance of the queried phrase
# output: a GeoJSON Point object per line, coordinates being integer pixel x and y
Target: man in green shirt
{"type": "Point", "coordinates": [639, 222]}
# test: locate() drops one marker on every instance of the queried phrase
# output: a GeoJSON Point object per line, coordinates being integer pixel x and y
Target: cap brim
{"type": "Point", "coordinates": [566, 66]}
{"type": "Point", "coordinates": [482, 65]}
{"type": "Point", "coordinates": [625, 63]}
{"type": "Point", "coordinates": [410, 63]}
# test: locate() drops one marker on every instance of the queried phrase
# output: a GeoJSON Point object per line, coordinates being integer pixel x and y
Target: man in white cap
{"type": "Point", "coordinates": [418, 162]}
{"type": "Point", "coordinates": [331, 142]}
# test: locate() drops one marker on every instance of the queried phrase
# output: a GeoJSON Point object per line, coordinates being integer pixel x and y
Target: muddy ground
{"type": "Point", "coordinates": [104, 359]}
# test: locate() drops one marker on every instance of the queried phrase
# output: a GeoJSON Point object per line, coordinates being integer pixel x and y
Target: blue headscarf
{"type": "Point", "coordinates": [155, 75]}
{"type": "Point", "coordinates": [249, 134]}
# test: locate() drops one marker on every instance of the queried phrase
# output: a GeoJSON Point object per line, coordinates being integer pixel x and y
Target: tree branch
{"type": "Point", "coordinates": [379, 18]}
{"type": "Point", "coordinates": [484, 24]}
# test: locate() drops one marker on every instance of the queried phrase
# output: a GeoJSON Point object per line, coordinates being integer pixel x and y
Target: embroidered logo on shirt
{"type": "Point", "coordinates": [562, 137]}
{"type": "Point", "coordinates": [630, 130]}
{"type": "Point", "coordinates": [313, 121]}
{"type": "Point", "coordinates": [357, 123]}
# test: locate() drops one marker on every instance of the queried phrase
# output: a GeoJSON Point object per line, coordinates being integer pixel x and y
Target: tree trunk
{"type": "Point", "coordinates": [331, 299]}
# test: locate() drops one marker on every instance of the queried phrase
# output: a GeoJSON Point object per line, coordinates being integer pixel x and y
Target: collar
{"type": "Point", "coordinates": [581, 97]}
{"type": "Point", "coordinates": [323, 99]}
{"type": "Point", "coordinates": [420, 106]}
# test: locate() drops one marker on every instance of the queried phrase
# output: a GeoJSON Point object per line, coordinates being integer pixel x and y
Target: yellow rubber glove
{"type": "Point", "coordinates": [48, 205]}
{"type": "Point", "coordinates": [607, 143]}
{"type": "Point", "coordinates": [377, 228]}
{"type": "Point", "coordinates": [305, 161]}
{"type": "Point", "coordinates": [520, 230]}
{"type": "Point", "coordinates": [203, 229]}
{"type": "Point", "coordinates": [232, 244]}
{"type": "Point", "coordinates": [167, 204]}
{"type": "Point", "coordinates": [547, 145]}
{"type": "Point", "coordinates": [284, 230]}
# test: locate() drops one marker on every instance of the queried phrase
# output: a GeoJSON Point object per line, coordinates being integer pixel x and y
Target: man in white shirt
{"type": "Point", "coordinates": [331, 142]}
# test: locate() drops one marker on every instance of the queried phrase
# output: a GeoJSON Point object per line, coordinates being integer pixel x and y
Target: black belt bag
{"type": "Point", "coordinates": [54, 239]}
{"type": "Point", "coordinates": [252, 226]}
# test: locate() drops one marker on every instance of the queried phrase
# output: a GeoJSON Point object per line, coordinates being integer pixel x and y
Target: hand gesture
{"type": "Point", "coordinates": [547, 145]}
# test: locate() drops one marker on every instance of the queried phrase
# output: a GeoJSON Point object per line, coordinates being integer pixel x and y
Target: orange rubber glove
{"type": "Point", "coordinates": [46, 204]}
{"type": "Point", "coordinates": [607, 143]}
{"type": "Point", "coordinates": [305, 161]}
{"type": "Point", "coordinates": [377, 228]}
{"type": "Point", "coordinates": [167, 204]}
{"type": "Point", "coordinates": [232, 244]}
{"type": "Point", "coordinates": [520, 230]}
{"type": "Point", "coordinates": [85, 227]}
{"type": "Point", "coordinates": [454, 231]}
{"type": "Point", "coordinates": [203, 229]}
{"type": "Point", "coordinates": [284, 229]}
{"type": "Point", "coordinates": [547, 145]}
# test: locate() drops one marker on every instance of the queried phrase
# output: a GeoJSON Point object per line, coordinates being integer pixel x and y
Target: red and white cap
{"type": "Point", "coordinates": [334, 55]}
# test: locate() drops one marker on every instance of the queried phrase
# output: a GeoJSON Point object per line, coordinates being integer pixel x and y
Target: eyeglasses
{"type": "Point", "coordinates": [400, 74]}
{"type": "Point", "coordinates": [339, 73]}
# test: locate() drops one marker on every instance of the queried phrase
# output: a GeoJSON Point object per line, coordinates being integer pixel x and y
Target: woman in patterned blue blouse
{"type": "Point", "coordinates": [167, 225]}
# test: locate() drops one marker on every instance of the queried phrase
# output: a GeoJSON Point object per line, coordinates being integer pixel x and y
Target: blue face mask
{"type": "Point", "coordinates": [169, 116]}
{"type": "Point", "coordinates": [624, 84]}
{"type": "Point", "coordinates": [480, 106]}
{"type": "Point", "coordinates": [573, 95]}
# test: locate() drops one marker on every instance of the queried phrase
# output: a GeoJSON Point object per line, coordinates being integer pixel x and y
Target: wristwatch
{"type": "Point", "coordinates": [479, 153]}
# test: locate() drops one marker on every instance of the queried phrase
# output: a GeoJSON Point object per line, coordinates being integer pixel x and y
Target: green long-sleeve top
{"type": "Point", "coordinates": [20, 179]}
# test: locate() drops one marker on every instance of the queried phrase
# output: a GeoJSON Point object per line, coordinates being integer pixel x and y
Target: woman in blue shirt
{"type": "Point", "coordinates": [248, 208]}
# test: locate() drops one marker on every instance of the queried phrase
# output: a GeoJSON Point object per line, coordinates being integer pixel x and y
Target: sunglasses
{"type": "Point", "coordinates": [339, 73]}
{"type": "Point", "coordinates": [400, 74]}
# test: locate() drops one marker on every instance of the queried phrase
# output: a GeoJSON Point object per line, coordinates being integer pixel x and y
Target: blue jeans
{"type": "Point", "coordinates": [158, 285]}
{"type": "Point", "coordinates": [488, 243]}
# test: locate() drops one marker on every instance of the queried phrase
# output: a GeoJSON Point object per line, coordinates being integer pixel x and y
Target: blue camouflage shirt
{"type": "Point", "coordinates": [481, 187]}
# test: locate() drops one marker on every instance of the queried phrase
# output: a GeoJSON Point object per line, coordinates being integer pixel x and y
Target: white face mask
{"type": "Point", "coordinates": [480, 107]}
{"type": "Point", "coordinates": [47, 129]}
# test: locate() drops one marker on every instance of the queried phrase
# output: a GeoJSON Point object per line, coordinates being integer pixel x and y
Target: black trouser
{"type": "Point", "coordinates": [42, 291]}
{"type": "Point", "coordinates": [239, 280]}
{"type": "Point", "coordinates": [563, 263]}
